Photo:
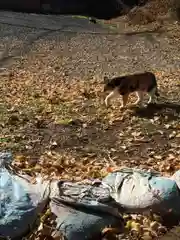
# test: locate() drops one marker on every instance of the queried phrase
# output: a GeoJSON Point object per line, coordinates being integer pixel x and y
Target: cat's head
{"type": "Point", "coordinates": [107, 84]}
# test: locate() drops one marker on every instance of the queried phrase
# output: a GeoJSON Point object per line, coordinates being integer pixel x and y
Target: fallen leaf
{"type": "Point", "coordinates": [20, 158]}
{"type": "Point", "coordinates": [154, 225]}
{"type": "Point", "coordinates": [178, 135]}
{"type": "Point", "coordinates": [167, 126]}
{"type": "Point", "coordinates": [136, 134]}
{"type": "Point", "coordinates": [159, 157]}
{"type": "Point", "coordinates": [162, 229]}
{"type": "Point", "coordinates": [109, 169]}
{"type": "Point", "coordinates": [172, 135]}
{"type": "Point", "coordinates": [170, 157]}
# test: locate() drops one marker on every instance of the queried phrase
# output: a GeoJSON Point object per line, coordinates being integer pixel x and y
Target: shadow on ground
{"type": "Point", "coordinates": [94, 140]}
{"type": "Point", "coordinates": [99, 139]}
{"type": "Point", "coordinates": [170, 109]}
{"type": "Point", "coordinates": [7, 58]}
{"type": "Point", "coordinates": [102, 9]}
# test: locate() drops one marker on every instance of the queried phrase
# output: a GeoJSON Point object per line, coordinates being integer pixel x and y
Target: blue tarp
{"type": "Point", "coordinates": [137, 190]}
{"type": "Point", "coordinates": [83, 209]}
{"type": "Point", "coordinates": [20, 201]}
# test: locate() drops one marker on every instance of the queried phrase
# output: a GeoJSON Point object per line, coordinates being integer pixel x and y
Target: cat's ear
{"type": "Point", "coordinates": [106, 79]}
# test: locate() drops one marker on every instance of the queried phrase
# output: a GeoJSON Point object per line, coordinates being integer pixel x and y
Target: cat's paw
{"type": "Point", "coordinates": [136, 103]}
{"type": "Point", "coordinates": [106, 103]}
{"type": "Point", "coordinates": [122, 107]}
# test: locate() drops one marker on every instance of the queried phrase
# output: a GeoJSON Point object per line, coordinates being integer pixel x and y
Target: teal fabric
{"type": "Point", "coordinates": [136, 191]}
{"type": "Point", "coordinates": [20, 201]}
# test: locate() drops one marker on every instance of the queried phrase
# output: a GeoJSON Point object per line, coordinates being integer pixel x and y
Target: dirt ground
{"type": "Point", "coordinates": [52, 112]}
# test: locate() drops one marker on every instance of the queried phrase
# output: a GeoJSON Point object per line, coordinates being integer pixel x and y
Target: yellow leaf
{"type": "Point", "coordinates": [20, 158]}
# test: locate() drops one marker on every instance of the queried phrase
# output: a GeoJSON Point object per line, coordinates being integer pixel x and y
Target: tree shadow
{"type": "Point", "coordinates": [102, 9]}
{"type": "Point", "coordinates": [7, 58]}
{"type": "Point", "coordinates": [47, 25]}
{"type": "Point", "coordinates": [72, 141]}
{"type": "Point", "coordinates": [170, 109]}
{"type": "Point", "coordinates": [148, 34]}
{"type": "Point", "coordinates": [36, 28]}
{"type": "Point", "coordinates": [92, 140]}
{"type": "Point", "coordinates": [98, 140]}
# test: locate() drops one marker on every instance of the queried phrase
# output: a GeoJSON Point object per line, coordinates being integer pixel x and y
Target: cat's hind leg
{"type": "Point", "coordinates": [152, 94]}
{"type": "Point", "coordinates": [140, 96]}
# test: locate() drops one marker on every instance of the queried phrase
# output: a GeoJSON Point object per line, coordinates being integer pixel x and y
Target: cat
{"type": "Point", "coordinates": [124, 85]}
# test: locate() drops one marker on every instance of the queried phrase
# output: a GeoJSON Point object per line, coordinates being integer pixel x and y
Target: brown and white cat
{"type": "Point", "coordinates": [125, 85]}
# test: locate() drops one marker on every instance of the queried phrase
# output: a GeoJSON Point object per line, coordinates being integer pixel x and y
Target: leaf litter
{"type": "Point", "coordinates": [57, 126]}
{"type": "Point", "coordinates": [75, 139]}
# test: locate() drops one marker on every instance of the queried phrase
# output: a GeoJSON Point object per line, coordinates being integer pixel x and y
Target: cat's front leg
{"type": "Point", "coordinates": [109, 97]}
{"type": "Point", "coordinates": [107, 100]}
